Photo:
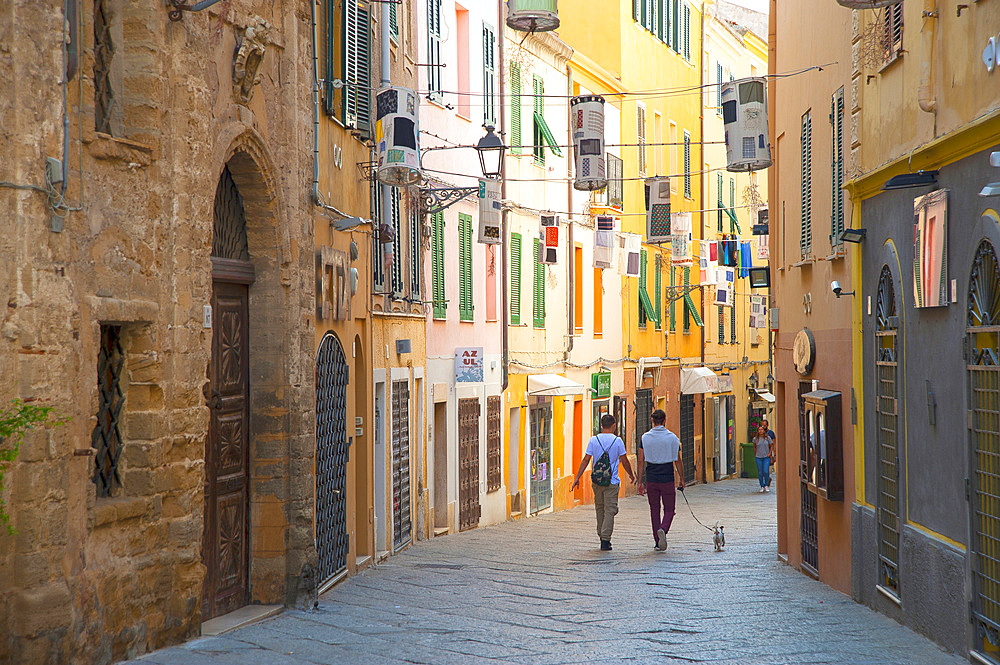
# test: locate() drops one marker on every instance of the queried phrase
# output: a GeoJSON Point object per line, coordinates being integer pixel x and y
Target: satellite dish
{"type": "Point", "coordinates": [990, 53]}
{"type": "Point", "coordinates": [865, 4]}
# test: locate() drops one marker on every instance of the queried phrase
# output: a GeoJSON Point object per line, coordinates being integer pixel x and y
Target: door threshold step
{"type": "Point", "coordinates": [238, 618]}
{"type": "Point", "coordinates": [441, 531]}
{"type": "Point", "coordinates": [514, 515]}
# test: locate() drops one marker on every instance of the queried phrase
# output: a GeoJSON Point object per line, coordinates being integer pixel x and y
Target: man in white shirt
{"type": "Point", "coordinates": [659, 457]}
{"type": "Point", "coordinates": [605, 494]}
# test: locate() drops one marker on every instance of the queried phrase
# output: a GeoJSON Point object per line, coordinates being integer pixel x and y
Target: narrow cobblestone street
{"type": "Point", "coordinates": [540, 591]}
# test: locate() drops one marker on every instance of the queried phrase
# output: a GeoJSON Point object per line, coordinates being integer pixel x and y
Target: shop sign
{"type": "Point", "coordinates": [469, 364]}
{"type": "Point", "coordinates": [601, 384]}
{"type": "Point", "coordinates": [724, 383]}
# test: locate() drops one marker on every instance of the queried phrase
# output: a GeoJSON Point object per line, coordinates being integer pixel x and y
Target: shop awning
{"type": "Point", "coordinates": [696, 380]}
{"type": "Point", "coordinates": [763, 396]}
{"type": "Point", "coordinates": [553, 385]}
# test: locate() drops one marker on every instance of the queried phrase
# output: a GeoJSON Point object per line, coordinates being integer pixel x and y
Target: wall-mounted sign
{"type": "Point", "coordinates": [489, 212]}
{"type": "Point", "coordinates": [804, 352]}
{"type": "Point", "coordinates": [333, 285]}
{"type": "Point", "coordinates": [601, 383]}
{"type": "Point", "coordinates": [930, 249]}
{"type": "Point", "coordinates": [723, 383]}
{"type": "Point", "coordinates": [469, 364]}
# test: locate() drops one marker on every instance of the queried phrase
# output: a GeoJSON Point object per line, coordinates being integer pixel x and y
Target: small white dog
{"type": "Point", "coordinates": [719, 537]}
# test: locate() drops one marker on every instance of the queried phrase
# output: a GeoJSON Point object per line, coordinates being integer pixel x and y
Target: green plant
{"type": "Point", "coordinates": [15, 422]}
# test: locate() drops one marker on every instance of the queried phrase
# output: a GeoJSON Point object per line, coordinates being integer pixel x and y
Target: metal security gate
{"type": "Point", "coordinates": [541, 457]}
{"type": "Point", "coordinates": [687, 437]}
{"type": "Point", "coordinates": [332, 377]}
{"type": "Point", "coordinates": [643, 413]}
{"type": "Point", "coordinates": [983, 358]}
{"type": "Point", "coordinates": [468, 464]}
{"type": "Point", "coordinates": [400, 464]}
{"type": "Point", "coordinates": [887, 501]}
{"type": "Point", "coordinates": [730, 434]}
{"type": "Point", "coordinates": [809, 524]}
{"type": "Point", "coordinates": [494, 406]}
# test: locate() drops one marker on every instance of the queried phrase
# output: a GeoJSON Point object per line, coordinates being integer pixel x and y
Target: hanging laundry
{"type": "Point", "coordinates": [713, 252]}
{"type": "Point", "coordinates": [746, 259]}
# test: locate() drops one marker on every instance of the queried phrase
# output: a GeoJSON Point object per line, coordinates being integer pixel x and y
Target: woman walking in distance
{"type": "Point", "coordinates": [764, 450]}
{"type": "Point", "coordinates": [659, 457]}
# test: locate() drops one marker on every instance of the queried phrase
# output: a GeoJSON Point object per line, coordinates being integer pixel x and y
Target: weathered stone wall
{"type": "Point", "coordinates": [91, 579]}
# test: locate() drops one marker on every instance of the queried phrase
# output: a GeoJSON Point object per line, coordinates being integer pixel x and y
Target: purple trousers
{"type": "Point", "coordinates": [661, 493]}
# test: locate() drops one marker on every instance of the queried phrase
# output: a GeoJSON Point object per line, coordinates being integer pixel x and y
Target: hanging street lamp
{"type": "Point", "coordinates": [491, 153]}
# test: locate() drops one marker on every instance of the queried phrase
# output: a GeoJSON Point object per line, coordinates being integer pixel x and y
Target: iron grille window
{"type": "Point", "coordinates": [886, 440]}
{"type": "Point", "coordinates": [805, 228]}
{"type": "Point", "coordinates": [837, 168]}
{"type": "Point", "coordinates": [489, 76]}
{"type": "Point", "coordinates": [687, 163]}
{"type": "Point", "coordinates": [104, 54]}
{"type": "Point", "coordinates": [983, 319]}
{"type": "Point", "coordinates": [615, 181]}
{"type": "Point", "coordinates": [687, 437]}
{"type": "Point", "coordinates": [434, 60]}
{"type": "Point", "coordinates": [810, 529]}
{"type": "Point", "coordinates": [493, 436]}
{"type": "Point", "coordinates": [892, 32]}
{"type": "Point", "coordinates": [106, 439]}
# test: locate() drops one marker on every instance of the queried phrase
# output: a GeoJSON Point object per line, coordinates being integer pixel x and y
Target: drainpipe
{"type": "Point", "coordinates": [504, 332]}
{"type": "Point", "coordinates": [386, 76]}
{"type": "Point", "coordinates": [925, 93]}
{"type": "Point", "coordinates": [704, 180]}
{"type": "Point", "coordinates": [571, 263]}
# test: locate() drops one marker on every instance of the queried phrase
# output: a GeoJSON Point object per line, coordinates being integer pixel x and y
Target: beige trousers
{"type": "Point", "coordinates": [606, 504]}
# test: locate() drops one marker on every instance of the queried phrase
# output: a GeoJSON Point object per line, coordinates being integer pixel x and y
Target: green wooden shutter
{"type": "Point", "coordinates": [805, 223]}
{"type": "Point", "coordinates": [465, 304]}
{"type": "Point", "coordinates": [636, 4]}
{"type": "Point", "coordinates": [515, 108]}
{"type": "Point", "coordinates": [332, 97]}
{"type": "Point", "coordinates": [677, 26]}
{"type": "Point", "coordinates": [393, 22]}
{"type": "Point", "coordinates": [718, 190]}
{"type": "Point", "coordinates": [732, 193]}
{"type": "Point", "coordinates": [439, 297]}
{"type": "Point", "coordinates": [837, 168]}
{"type": "Point", "coordinates": [395, 218]}
{"type": "Point", "coordinates": [687, 163]}
{"type": "Point", "coordinates": [434, 50]}
{"type": "Point", "coordinates": [732, 321]}
{"type": "Point", "coordinates": [538, 105]}
{"type": "Point", "coordinates": [689, 308]}
{"type": "Point", "coordinates": [489, 76]}
{"type": "Point", "coordinates": [660, 19]}
{"type": "Point", "coordinates": [415, 268]}
{"type": "Point", "coordinates": [658, 285]}
{"type": "Point", "coordinates": [687, 32]}
{"type": "Point", "coordinates": [357, 60]}
{"type": "Point", "coordinates": [671, 298]}
{"type": "Point", "coordinates": [722, 324]}
{"type": "Point", "coordinates": [718, 88]}
{"type": "Point", "coordinates": [640, 128]}
{"type": "Point", "coordinates": [654, 17]}
{"type": "Point", "coordinates": [644, 13]}
{"type": "Point", "coordinates": [515, 279]}
{"type": "Point", "coordinates": [642, 289]}
{"type": "Point", "coordinates": [538, 288]}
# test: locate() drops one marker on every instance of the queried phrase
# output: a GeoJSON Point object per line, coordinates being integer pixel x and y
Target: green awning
{"type": "Point", "coordinates": [732, 217]}
{"type": "Point", "coordinates": [646, 304]}
{"type": "Point", "coordinates": [547, 134]}
{"type": "Point", "coordinates": [689, 303]}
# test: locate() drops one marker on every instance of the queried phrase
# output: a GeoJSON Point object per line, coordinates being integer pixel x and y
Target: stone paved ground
{"type": "Point", "coordinates": [539, 591]}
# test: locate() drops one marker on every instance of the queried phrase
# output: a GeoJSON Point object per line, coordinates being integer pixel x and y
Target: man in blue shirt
{"type": "Point", "coordinates": [606, 496]}
{"type": "Point", "coordinates": [659, 457]}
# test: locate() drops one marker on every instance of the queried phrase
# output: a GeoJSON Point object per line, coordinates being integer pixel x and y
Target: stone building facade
{"type": "Point", "coordinates": [158, 289]}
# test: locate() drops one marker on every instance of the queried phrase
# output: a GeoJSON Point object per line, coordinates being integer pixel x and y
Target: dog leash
{"type": "Point", "coordinates": [692, 511]}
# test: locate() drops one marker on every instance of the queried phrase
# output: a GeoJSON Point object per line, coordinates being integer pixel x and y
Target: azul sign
{"type": "Point", "coordinates": [469, 364]}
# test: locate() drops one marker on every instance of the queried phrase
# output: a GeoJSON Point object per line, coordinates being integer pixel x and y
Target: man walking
{"type": "Point", "coordinates": [607, 450]}
{"type": "Point", "coordinates": [659, 457]}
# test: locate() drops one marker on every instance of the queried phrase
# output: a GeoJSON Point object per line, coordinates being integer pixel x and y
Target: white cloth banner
{"type": "Point", "coordinates": [680, 239]}
{"type": "Point", "coordinates": [631, 246]}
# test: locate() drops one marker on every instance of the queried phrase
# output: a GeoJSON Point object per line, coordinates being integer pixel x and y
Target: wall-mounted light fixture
{"type": "Point", "coordinates": [909, 180]}
{"type": "Point", "coordinates": [993, 188]}
{"type": "Point", "coordinates": [853, 235]}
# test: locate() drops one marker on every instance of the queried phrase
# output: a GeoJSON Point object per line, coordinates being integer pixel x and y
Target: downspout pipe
{"type": "Point", "coordinates": [571, 249]}
{"type": "Point", "coordinates": [505, 247]}
{"type": "Point", "coordinates": [925, 93]}
{"type": "Point", "coordinates": [71, 58]}
{"type": "Point", "coordinates": [384, 190]}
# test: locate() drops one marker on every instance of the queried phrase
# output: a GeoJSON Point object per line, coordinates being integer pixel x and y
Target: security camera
{"type": "Point", "coordinates": [835, 287]}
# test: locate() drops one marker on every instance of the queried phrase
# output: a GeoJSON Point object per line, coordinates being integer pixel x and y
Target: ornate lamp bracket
{"type": "Point", "coordinates": [436, 199]}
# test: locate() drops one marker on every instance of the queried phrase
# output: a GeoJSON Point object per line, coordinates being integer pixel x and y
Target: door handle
{"type": "Point", "coordinates": [215, 401]}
